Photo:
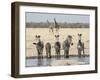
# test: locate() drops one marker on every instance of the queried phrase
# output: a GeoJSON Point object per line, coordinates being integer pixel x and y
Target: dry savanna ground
{"type": "Point", "coordinates": [47, 36]}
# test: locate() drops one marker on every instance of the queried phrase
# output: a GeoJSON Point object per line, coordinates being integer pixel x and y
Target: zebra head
{"type": "Point", "coordinates": [69, 39]}
{"type": "Point", "coordinates": [79, 36]}
{"type": "Point", "coordinates": [37, 38]}
{"type": "Point", "coordinates": [57, 37]}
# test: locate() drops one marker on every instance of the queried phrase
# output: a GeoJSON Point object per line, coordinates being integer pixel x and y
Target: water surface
{"type": "Point", "coordinates": [35, 62]}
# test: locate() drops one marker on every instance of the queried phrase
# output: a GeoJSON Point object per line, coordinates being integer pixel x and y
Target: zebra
{"type": "Point", "coordinates": [39, 46]}
{"type": "Point", "coordinates": [80, 46]}
{"type": "Point", "coordinates": [57, 46]}
{"type": "Point", "coordinates": [48, 49]}
{"type": "Point", "coordinates": [66, 45]}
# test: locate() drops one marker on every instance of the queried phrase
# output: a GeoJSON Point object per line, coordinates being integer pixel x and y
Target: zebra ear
{"type": "Point", "coordinates": [78, 34]}
{"type": "Point", "coordinates": [69, 36]}
{"type": "Point", "coordinates": [55, 36]}
{"type": "Point", "coordinates": [72, 44]}
{"type": "Point", "coordinates": [36, 36]}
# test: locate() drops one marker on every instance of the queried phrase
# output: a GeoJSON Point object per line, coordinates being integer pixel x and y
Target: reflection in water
{"type": "Point", "coordinates": [35, 62]}
{"type": "Point", "coordinates": [40, 62]}
{"type": "Point", "coordinates": [83, 59]}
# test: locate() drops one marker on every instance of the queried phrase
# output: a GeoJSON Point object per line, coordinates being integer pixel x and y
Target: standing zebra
{"type": "Point", "coordinates": [80, 46]}
{"type": "Point", "coordinates": [48, 50]}
{"type": "Point", "coordinates": [39, 46]}
{"type": "Point", "coordinates": [66, 45]}
{"type": "Point", "coordinates": [57, 46]}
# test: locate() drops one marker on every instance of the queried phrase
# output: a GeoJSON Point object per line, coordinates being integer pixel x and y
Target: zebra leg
{"type": "Point", "coordinates": [83, 51]}
{"type": "Point", "coordinates": [67, 53]}
{"type": "Point", "coordinates": [50, 54]}
{"type": "Point", "coordinates": [79, 52]}
{"type": "Point", "coordinates": [38, 54]}
{"type": "Point", "coordinates": [59, 53]}
{"type": "Point", "coordinates": [56, 53]}
{"type": "Point", "coordinates": [64, 54]}
{"type": "Point", "coordinates": [46, 54]}
{"type": "Point", "coordinates": [42, 53]}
